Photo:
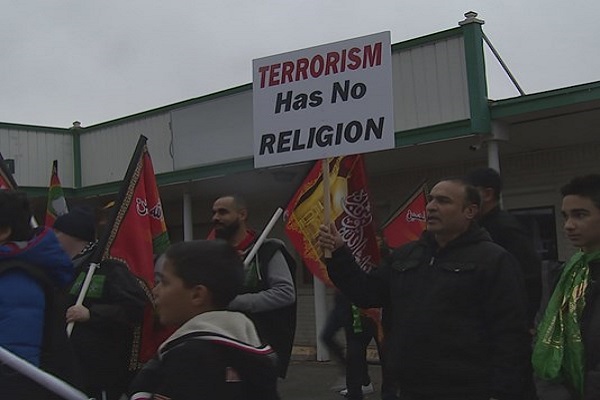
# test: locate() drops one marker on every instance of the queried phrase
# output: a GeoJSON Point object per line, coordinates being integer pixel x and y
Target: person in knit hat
{"type": "Point", "coordinates": [113, 305]}
{"type": "Point", "coordinates": [76, 232]}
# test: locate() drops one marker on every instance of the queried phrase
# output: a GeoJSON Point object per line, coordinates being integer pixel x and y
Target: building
{"type": "Point", "coordinates": [445, 124]}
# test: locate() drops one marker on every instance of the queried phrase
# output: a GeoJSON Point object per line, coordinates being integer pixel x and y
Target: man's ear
{"type": "Point", "coordinates": [5, 232]}
{"type": "Point", "coordinates": [487, 195]}
{"type": "Point", "coordinates": [243, 214]}
{"type": "Point", "coordinates": [201, 296]}
{"type": "Point", "coordinates": [471, 211]}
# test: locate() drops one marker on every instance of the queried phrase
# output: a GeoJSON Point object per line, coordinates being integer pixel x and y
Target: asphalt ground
{"type": "Point", "coordinates": [312, 380]}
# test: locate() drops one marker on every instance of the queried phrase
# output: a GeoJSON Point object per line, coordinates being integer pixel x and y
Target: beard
{"type": "Point", "coordinates": [227, 232]}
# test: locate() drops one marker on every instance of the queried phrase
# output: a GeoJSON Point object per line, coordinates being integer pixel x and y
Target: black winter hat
{"type": "Point", "coordinates": [79, 223]}
{"type": "Point", "coordinates": [485, 178]}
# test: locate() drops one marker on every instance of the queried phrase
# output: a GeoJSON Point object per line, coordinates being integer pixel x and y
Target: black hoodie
{"type": "Point", "coordinates": [215, 355]}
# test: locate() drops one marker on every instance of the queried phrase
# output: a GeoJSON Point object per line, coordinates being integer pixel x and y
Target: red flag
{"type": "Point", "coordinates": [408, 221]}
{"type": "Point", "coordinates": [136, 233]}
{"type": "Point", "coordinates": [7, 181]}
{"type": "Point", "coordinates": [350, 210]}
{"type": "Point", "coordinates": [57, 205]}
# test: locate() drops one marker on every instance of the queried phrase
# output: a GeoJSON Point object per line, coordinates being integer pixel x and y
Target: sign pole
{"type": "Point", "coordinates": [326, 199]}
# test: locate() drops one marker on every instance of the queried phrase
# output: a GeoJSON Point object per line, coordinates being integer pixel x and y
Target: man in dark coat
{"type": "Point", "coordinates": [103, 335]}
{"type": "Point", "coordinates": [455, 303]}
{"type": "Point", "coordinates": [508, 232]}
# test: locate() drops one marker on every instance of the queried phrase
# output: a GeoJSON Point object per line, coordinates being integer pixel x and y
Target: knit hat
{"type": "Point", "coordinates": [485, 178]}
{"type": "Point", "coordinates": [79, 223]}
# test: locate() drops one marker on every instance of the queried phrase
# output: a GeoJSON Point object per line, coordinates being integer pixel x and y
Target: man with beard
{"type": "Point", "coordinates": [269, 295]}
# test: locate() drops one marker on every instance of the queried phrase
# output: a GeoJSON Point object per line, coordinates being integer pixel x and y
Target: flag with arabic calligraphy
{"type": "Point", "coordinates": [136, 232]}
{"type": "Point", "coordinates": [408, 222]}
{"type": "Point", "coordinates": [57, 205]}
{"type": "Point", "coordinates": [7, 181]}
{"type": "Point", "coordinates": [350, 210]}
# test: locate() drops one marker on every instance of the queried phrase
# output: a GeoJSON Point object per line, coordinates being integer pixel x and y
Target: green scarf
{"type": "Point", "coordinates": [558, 352]}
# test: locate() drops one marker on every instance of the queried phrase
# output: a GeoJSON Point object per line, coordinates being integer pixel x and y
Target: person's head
{"type": "Point", "coordinates": [75, 229]}
{"type": "Point", "coordinates": [229, 218]}
{"type": "Point", "coordinates": [196, 277]}
{"type": "Point", "coordinates": [489, 184]}
{"type": "Point", "coordinates": [581, 211]}
{"type": "Point", "coordinates": [15, 217]}
{"type": "Point", "coordinates": [452, 205]}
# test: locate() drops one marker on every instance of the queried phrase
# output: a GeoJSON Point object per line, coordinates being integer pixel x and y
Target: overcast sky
{"type": "Point", "coordinates": [94, 61]}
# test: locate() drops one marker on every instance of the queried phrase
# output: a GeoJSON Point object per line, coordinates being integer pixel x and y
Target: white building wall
{"type": "Point", "coordinates": [430, 84]}
{"type": "Point", "coordinates": [34, 151]}
{"type": "Point", "coordinates": [106, 151]}
{"type": "Point", "coordinates": [213, 131]}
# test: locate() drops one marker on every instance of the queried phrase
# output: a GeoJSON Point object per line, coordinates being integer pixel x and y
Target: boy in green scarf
{"type": "Point", "coordinates": [567, 348]}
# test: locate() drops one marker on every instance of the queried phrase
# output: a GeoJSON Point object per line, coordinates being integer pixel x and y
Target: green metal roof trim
{"type": "Point", "coordinates": [450, 130]}
{"type": "Point", "coordinates": [405, 138]}
{"type": "Point", "coordinates": [476, 78]}
{"type": "Point", "coordinates": [170, 107]}
{"type": "Point", "coordinates": [423, 40]}
{"type": "Point", "coordinates": [25, 127]}
{"type": "Point", "coordinates": [164, 179]}
{"type": "Point", "coordinates": [545, 100]}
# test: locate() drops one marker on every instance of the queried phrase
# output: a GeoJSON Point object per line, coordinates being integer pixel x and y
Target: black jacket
{"type": "Point", "coordinates": [508, 232]}
{"type": "Point", "coordinates": [590, 333]}
{"type": "Point", "coordinates": [215, 355]}
{"type": "Point", "coordinates": [457, 315]}
{"type": "Point", "coordinates": [104, 343]}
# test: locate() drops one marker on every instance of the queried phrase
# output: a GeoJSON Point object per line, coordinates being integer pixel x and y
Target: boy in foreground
{"type": "Point", "coordinates": [214, 353]}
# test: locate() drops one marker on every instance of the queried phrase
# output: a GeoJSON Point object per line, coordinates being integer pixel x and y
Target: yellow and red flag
{"type": "Point", "coordinates": [136, 232]}
{"type": "Point", "coordinates": [57, 205]}
{"type": "Point", "coordinates": [408, 222]}
{"type": "Point", "coordinates": [350, 210]}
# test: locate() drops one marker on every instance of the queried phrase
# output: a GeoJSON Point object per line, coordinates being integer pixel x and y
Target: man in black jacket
{"type": "Point", "coordinates": [103, 335]}
{"type": "Point", "coordinates": [458, 326]}
{"type": "Point", "coordinates": [508, 232]}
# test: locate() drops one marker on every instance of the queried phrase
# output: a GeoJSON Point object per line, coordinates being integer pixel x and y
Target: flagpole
{"type": "Point", "coordinates": [263, 236]}
{"type": "Point", "coordinates": [320, 295]}
{"type": "Point", "coordinates": [82, 292]}
{"type": "Point", "coordinates": [45, 379]}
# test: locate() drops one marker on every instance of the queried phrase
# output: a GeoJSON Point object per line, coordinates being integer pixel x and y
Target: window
{"type": "Point", "coordinates": [541, 223]}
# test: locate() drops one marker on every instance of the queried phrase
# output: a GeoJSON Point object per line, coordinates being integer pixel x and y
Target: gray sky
{"type": "Point", "coordinates": [94, 61]}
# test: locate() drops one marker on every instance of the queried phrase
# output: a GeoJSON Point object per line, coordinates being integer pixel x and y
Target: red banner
{"type": "Point", "coordinates": [137, 233]}
{"type": "Point", "coordinates": [409, 220]}
{"type": "Point", "coordinates": [57, 205]}
{"type": "Point", "coordinates": [350, 210]}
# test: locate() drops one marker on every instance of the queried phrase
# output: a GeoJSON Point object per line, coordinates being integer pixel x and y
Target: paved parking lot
{"type": "Point", "coordinates": [311, 380]}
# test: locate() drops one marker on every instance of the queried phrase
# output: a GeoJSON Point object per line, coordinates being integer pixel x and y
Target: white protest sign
{"type": "Point", "coordinates": [324, 101]}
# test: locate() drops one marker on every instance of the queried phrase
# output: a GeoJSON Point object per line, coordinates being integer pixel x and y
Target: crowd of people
{"type": "Point", "coordinates": [461, 304]}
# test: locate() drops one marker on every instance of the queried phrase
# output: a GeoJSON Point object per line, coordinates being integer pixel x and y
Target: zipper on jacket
{"type": "Point", "coordinates": [432, 261]}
